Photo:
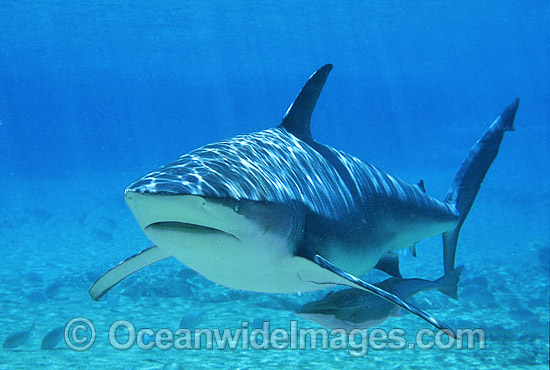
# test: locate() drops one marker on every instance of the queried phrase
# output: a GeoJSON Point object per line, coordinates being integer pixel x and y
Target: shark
{"type": "Point", "coordinates": [351, 308]}
{"type": "Point", "coordinates": [276, 211]}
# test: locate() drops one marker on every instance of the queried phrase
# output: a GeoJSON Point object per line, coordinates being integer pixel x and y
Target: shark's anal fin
{"type": "Point", "coordinates": [389, 264]}
{"type": "Point", "coordinates": [355, 282]}
{"type": "Point", "coordinates": [127, 267]}
{"type": "Point", "coordinates": [412, 248]}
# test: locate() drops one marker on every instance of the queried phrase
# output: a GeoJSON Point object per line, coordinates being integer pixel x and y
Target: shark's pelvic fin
{"type": "Point", "coordinates": [297, 119]}
{"type": "Point", "coordinates": [127, 267]}
{"type": "Point", "coordinates": [389, 264]}
{"type": "Point", "coordinates": [470, 175]}
{"type": "Point", "coordinates": [358, 283]}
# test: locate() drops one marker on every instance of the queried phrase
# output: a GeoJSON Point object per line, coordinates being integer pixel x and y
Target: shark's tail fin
{"type": "Point", "coordinates": [448, 284]}
{"type": "Point", "coordinates": [469, 177]}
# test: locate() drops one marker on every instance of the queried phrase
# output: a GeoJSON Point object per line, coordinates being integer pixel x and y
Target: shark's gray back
{"type": "Point", "coordinates": [267, 166]}
{"type": "Point", "coordinates": [275, 166]}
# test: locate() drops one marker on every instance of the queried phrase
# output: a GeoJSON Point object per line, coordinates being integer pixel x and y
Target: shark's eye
{"type": "Point", "coordinates": [237, 206]}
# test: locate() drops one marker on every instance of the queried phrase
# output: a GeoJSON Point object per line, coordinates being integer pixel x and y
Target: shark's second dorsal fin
{"type": "Point", "coordinates": [421, 185]}
{"type": "Point", "coordinates": [298, 116]}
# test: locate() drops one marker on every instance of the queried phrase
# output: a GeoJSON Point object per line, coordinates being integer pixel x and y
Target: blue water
{"type": "Point", "coordinates": [95, 94]}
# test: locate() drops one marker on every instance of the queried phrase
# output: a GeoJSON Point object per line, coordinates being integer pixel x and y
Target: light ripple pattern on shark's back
{"type": "Point", "coordinates": [372, 182]}
{"type": "Point", "coordinates": [275, 166]}
{"type": "Point", "coordinates": [268, 166]}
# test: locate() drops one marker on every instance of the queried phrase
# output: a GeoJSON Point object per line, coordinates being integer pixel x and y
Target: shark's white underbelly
{"type": "Point", "coordinates": [262, 264]}
{"type": "Point", "coordinates": [250, 245]}
{"type": "Point", "coordinates": [228, 246]}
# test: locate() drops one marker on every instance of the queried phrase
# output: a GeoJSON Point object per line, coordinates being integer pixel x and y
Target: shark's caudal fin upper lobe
{"type": "Point", "coordinates": [470, 175]}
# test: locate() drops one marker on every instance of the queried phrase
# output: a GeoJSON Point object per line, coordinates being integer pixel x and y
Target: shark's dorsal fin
{"type": "Point", "coordinates": [298, 116]}
{"type": "Point", "coordinates": [297, 121]}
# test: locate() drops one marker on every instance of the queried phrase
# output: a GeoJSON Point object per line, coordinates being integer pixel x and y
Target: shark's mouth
{"type": "Point", "coordinates": [186, 227]}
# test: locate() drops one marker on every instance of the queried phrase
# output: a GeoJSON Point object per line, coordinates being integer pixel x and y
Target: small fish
{"type": "Point", "coordinates": [184, 289]}
{"type": "Point", "coordinates": [191, 319]}
{"type": "Point", "coordinates": [52, 289]}
{"type": "Point", "coordinates": [522, 314]}
{"type": "Point", "coordinates": [6, 224]}
{"type": "Point", "coordinates": [353, 308]}
{"type": "Point", "coordinates": [18, 338]}
{"type": "Point", "coordinates": [478, 295]}
{"type": "Point", "coordinates": [36, 296]}
{"type": "Point", "coordinates": [544, 258]}
{"type": "Point", "coordinates": [172, 366]}
{"type": "Point", "coordinates": [33, 277]}
{"type": "Point", "coordinates": [134, 293]}
{"type": "Point", "coordinates": [102, 235]}
{"type": "Point", "coordinates": [53, 338]}
{"type": "Point", "coordinates": [82, 218]}
{"type": "Point", "coordinates": [167, 366]}
{"type": "Point", "coordinates": [40, 214]}
{"type": "Point", "coordinates": [186, 273]}
{"type": "Point", "coordinates": [110, 223]}
{"type": "Point", "coordinates": [480, 281]}
{"type": "Point", "coordinates": [112, 301]}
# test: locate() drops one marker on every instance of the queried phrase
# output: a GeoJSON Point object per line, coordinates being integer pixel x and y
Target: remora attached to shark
{"type": "Point", "coordinates": [356, 309]}
{"type": "Point", "coordinates": [276, 211]}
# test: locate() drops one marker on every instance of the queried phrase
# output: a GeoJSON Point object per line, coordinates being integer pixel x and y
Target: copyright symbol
{"type": "Point", "coordinates": [80, 334]}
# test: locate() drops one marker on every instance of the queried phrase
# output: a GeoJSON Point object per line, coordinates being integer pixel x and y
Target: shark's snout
{"type": "Point", "coordinates": [155, 209]}
{"type": "Point", "coordinates": [168, 181]}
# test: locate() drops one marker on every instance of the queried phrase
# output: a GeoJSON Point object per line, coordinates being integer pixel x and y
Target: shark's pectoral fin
{"type": "Point", "coordinates": [389, 264]}
{"type": "Point", "coordinates": [345, 278]}
{"type": "Point", "coordinates": [127, 267]}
